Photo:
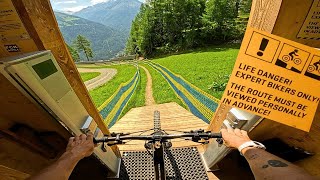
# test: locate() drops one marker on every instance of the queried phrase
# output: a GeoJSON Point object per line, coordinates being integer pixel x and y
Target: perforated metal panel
{"type": "Point", "coordinates": [180, 163]}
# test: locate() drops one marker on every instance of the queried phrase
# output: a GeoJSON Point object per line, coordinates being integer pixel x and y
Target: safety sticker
{"type": "Point", "coordinates": [311, 26]}
{"type": "Point", "coordinates": [275, 78]}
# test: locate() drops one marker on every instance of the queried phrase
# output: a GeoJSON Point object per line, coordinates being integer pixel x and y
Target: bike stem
{"type": "Point", "coordinates": [158, 155]}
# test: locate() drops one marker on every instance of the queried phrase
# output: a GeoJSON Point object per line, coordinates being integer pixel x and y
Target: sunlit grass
{"type": "Point", "coordinates": [202, 67]}
{"type": "Point", "coordinates": [88, 76]}
{"type": "Point", "coordinates": [102, 93]}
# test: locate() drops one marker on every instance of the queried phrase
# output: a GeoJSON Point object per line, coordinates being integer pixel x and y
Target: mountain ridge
{"type": "Point", "coordinates": [106, 42]}
{"type": "Point", "coordinates": [113, 13]}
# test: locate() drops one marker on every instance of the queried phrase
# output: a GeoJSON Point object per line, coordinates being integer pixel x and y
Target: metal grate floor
{"type": "Point", "coordinates": [180, 164]}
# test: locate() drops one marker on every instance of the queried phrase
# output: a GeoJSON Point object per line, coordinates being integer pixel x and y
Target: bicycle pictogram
{"type": "Point", "coordinates": [292, 56]}
{"type": "Point", "coordinates": [314, 67]}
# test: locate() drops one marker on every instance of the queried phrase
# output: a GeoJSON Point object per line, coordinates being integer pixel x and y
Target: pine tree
{"type": "Point", "coordinates": [74, 53]}
{"type": "Point", "coordinates": [83, 44]}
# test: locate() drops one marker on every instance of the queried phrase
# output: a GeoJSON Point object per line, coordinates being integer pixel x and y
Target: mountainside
{"type": "Point", "coordinates": [117, 14]}
{"type": "Point", "coordinates": [105, 41]}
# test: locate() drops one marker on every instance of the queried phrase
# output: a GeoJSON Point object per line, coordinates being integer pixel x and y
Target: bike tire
{"type": "Point", "coordinates": [286, 58]}
{"type": "Point", "coordinates": [311, 68]}
{"type": "Point", "coordinates": [297, 61]}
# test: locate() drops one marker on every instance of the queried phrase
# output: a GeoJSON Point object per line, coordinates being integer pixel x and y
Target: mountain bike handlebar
{"type": "Point", "coordinates": [194, 135]}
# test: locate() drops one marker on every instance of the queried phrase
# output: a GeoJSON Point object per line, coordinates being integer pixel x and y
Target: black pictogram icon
{"type": "Point", "coordinates": [313, 70]}
{"type": "Point", "coordinates": [292, 57]}
{"type": "Point", "coordinates": [314, 67]}
{"type": "Point", "coordinates": [12, 48]}
{"type": "Point", "coordinates": [263, 46]}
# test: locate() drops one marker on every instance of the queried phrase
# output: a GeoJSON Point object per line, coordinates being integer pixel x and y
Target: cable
{"type": "Point", "coordinates": [139, 134]}
{"type": "Point", "coordinates": [140, 131]}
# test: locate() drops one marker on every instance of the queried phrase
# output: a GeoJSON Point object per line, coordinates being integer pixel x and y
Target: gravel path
{"type": "Point", "coordinates": [105, 76]}
{"type": "Point", "coordinates": [149, 97]}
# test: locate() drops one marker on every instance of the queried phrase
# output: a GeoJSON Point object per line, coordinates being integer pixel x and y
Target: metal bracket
{"type": "Point", "coordinates": [85, 127]}
{"type": "Point", "coordinates": [103, 147]}
{"type": "Point", "coordinates": [236, 118]}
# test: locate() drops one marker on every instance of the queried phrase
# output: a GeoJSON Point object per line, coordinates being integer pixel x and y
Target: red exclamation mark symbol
{"type": "Point", "coordinates": [263, 46]}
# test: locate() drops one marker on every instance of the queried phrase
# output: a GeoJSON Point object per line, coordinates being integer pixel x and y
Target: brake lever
{"type": "Point", "coordinates": [227, 125]}
{"type": "Point", "coordinates": [219, 141]}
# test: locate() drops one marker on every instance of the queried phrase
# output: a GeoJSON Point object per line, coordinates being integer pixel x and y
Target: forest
{"type": "Point", "coordinates": [164, 26]}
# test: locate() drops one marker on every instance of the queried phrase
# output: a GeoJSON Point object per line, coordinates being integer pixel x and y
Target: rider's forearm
{"type": "Point", "coordinates": [267, 166]}
{"type": "Point", "coordinates": [61, 169]}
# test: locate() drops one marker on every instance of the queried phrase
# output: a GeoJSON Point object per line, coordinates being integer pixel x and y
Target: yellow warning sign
{"type": "Point", "coordinates": [275, 78]}
{"type": "Point", "coordinates": [311, 26]}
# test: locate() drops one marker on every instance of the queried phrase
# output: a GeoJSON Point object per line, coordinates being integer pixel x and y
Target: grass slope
{"type": "Point", "coordinates": [88, 76]}
{"type": "Point", "coordinates": [162, 92]}
{"type": "Point", "coordinates": [102, 93]}
{"type": "Point", "coordinates": [202, 67]}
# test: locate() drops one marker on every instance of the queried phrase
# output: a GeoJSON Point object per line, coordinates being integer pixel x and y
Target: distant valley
{"type": "Point", "coordinates": [106, 25]}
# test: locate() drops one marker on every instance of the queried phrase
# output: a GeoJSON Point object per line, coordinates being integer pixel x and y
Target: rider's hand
{"type": "Point", "coordinates": [80, 146]}
{"type": "Point", "coordinates": [234, 138]}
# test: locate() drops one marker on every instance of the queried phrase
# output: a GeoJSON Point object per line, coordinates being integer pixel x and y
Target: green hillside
{"type": "Point", "coordinates": [203, 67]}
{"type": "Point", "coordinates": [106, 42]}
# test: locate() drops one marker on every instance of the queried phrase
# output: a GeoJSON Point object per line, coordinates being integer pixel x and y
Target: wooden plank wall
{"type": "Point", "coordinates": [8, 173]}
{"type": "Point", "coordinates": [290, 18]}
{"type": "Point", "coordinates": [39, 23]}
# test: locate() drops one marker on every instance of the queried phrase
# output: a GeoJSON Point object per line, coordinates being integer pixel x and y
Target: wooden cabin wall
{"type": "Point", "coordinates": [38, 21]}
{"type": "Point", "coordinates": [13, 174]}
{"type": "Point", "coordinates": [283, 18]}
{"type": "Point", "coordinates": [287, 24]}
{"type": "Point", "coordinates": [17, 109]}
{"type": "Point", "coordinates": [39, 15]}
{"type": "Point", "coordinates": [309, 141]}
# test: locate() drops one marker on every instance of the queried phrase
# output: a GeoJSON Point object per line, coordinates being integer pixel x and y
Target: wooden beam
{"type": "Point", "coordinates": [8, 173]}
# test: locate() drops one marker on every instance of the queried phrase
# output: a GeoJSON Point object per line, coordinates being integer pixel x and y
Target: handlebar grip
{"type": "Point", "coordinates": [216, 135]}
{"type": "Point", "coordinates": [95, 141]}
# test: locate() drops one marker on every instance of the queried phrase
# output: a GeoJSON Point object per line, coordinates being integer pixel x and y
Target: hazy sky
{"type": "Point", "coordinates": [74, 5]}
